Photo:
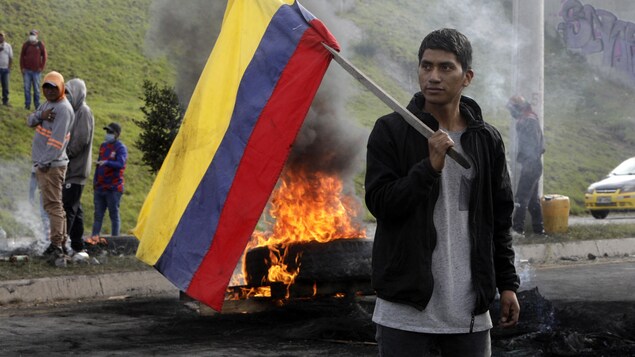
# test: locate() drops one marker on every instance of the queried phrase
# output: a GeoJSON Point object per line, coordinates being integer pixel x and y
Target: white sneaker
{"type": "Point", "coordinates": [80, 257]}
{"type": "Point", "coordinates": [517, 235]}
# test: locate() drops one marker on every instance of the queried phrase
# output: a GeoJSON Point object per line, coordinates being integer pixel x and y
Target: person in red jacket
{"type": "Point", "coordinates": [32, 61]}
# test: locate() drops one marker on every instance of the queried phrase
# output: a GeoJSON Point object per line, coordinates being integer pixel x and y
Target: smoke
{"type": "Point", "coordinates": [25, 228]}
{"type": "Point", "coordinates": [488, 27]}
{"type": "Point", "coordinates": [185, 32]}
{"type": "Point", "coordinates": [330, 141]}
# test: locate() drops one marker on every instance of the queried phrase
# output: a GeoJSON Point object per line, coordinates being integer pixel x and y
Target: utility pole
{"type": "Point", "coordinates": [528, 62]}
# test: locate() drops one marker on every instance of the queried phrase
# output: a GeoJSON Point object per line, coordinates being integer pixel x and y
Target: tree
{"type": "Point", "coordinates": [163, 116]}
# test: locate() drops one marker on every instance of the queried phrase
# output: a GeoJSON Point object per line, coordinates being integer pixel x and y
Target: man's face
{"type": "Point", "coordinates": [441, 77]}
{"type": "Point", "coordinates": [51, 93]}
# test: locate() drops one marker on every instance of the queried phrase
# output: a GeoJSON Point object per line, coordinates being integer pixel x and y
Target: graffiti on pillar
{"type": "Point", "coordinates": [591, 30]}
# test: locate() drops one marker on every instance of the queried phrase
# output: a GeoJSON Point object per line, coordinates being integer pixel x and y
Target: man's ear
{"type": "Point", "coordinates": [469, 75]}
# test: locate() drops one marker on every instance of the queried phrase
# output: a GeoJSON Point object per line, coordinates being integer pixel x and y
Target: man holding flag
{"type": "Point", "coordinates": [442, 248]}
{"type": "Point", "coordinates": [244, 115]}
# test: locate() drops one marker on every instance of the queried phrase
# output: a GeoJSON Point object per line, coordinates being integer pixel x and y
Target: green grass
{"type": "Point", "coordinates": [583, 232]}
{"type": "Point", "coordinates": [36, 268]}
{"type": "Point", "coordinates": [589, 123]}
{"type": "Point", "coordinates": [102, 42]}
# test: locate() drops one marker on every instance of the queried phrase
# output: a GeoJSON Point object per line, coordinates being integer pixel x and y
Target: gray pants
{"type": "Point", "coordinates": [399, 343]}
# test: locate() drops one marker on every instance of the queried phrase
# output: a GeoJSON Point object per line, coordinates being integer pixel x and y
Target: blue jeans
{"type": "Point", "coordinates": [4, 81]}
{"type": "Point", "coordinates": [31, 78]}
{"type": "Point", "coordinates": [107, 200]}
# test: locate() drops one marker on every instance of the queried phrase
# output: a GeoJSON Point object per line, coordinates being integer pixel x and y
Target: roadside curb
{"type": "Point", "coordinates": [137, 283]}
{"type": "Point", "coordinates": [151, 282]}
{"type": "Point", "coordinates": [550, 252]}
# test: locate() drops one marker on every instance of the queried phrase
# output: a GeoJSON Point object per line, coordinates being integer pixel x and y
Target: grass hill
{"type": "Point", "coordinates": [589, 125]}
{"type": "Point", "coordinates": [102, 42]}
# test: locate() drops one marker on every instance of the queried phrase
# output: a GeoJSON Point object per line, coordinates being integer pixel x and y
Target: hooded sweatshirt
{"type": "Point", "coordinates": [51, 137]}
{"type": "Point", "coordinates": [79, 148]}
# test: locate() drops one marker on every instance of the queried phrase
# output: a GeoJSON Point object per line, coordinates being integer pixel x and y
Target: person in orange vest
{"type": "Point", "coordinates": [52, 123]}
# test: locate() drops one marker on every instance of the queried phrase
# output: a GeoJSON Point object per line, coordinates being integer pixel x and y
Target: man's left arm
{"type": "Point", "coordinates": [507, 280]}
{"type": "Point", "coordinates": [510, 309]}
{"type": "Point", "coordinates": [10, 57]}
{"type": "Point", "coordinates": [44, 56]}
{"type": "Point", "coordinates": [80, 135]}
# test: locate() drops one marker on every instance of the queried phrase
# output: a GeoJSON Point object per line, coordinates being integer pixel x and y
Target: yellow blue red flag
{"type": "Point", "coordinates": [242, 119]}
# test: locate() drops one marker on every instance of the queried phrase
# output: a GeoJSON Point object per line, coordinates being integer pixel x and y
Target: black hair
{"type": "Point", "coordinates": [449, 40]}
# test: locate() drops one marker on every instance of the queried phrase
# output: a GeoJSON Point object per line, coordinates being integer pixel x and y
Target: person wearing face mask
{"type": "Point", "coordinates": [32, 61]}
{"type": "Point", "coordinates": [108, 182]}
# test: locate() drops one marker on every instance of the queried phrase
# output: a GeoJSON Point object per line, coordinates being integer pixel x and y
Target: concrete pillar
{"type": "Point", "coordinates": [528, 63]}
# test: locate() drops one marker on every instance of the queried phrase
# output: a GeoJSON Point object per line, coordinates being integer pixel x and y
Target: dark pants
{"type": "Point", "coordinates": [4, 81]}
{"type": "Point", "coordinates": [71, 197]}
{"type": "Point", "coordinates": [527, 198]}
{"type": "Point", "coordinates": [399, 343]}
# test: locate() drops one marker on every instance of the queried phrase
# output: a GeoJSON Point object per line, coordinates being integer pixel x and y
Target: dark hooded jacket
{"type": "Point", "coordinates": [401, 191]}
{"type": "Point", "coordinates": [79, 148]}
{"type": "Point", "coordinates": [530, 140]}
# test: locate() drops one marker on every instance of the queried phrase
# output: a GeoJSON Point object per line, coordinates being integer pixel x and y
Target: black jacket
{"type": "Point", "coordinates": [401, 191]}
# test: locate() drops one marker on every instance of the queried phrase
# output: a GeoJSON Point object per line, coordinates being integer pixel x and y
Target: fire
{"type": "Point", "coordinates": [306, 207]}
{"type": "Point", "coordinates": [310, 206]}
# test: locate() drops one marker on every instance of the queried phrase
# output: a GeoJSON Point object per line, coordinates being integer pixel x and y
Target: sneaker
{"type": "Point", "coordinates": [516, 234]}
{"type": "Point", "coordinates": [80, 257]}
{"type": "Point", "coordinates": [55, 255]}
{"type": "Point", "coordinates": [52, 249]}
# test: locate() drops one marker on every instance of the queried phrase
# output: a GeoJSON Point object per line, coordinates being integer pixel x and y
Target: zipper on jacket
{"type": "Point", "coordinates": [472, 323]}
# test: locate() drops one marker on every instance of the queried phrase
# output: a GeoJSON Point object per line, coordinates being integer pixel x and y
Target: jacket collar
{"type": "Point", "coordinates": [470, 110]}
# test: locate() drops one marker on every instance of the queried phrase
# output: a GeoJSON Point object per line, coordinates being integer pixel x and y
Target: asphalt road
{"type": "Point", "coordinates": [579, 296]}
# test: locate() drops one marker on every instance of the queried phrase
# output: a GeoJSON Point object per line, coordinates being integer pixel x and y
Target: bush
{"type": "Point", "coordinates": [163, 116]}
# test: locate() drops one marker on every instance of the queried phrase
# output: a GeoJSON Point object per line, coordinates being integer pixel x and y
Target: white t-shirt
{"type": "Point", "coordinates": [453, 297]}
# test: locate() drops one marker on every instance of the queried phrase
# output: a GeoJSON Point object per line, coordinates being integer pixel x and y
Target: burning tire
{"type": "Point", "coordinates": [336, 261]}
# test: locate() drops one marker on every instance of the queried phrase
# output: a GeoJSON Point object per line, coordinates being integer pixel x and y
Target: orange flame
{"type": "Point", "coordinates": [307, 206]}
{"type": "Point", "coordinates": [310, 207]}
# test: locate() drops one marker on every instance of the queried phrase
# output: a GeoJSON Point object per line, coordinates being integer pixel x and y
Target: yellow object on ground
{"type": "Point", "coordinates": [555, 212]}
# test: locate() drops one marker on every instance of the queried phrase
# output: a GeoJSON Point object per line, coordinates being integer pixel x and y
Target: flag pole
{"type": "Point", "coordinates": [393, 104]}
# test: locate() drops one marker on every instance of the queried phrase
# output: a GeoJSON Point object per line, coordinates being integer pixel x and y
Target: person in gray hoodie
{"type": "Point", "coordinates": [79, 152]}
{"type": "Point", "coordinates": [52, 122]}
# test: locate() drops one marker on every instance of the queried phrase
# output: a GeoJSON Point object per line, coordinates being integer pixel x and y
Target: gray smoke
{"type": "Point", "coordinates": [185, 32]}
{"type": "Point", "coordinates": [329, 141]}
{"type": "Point", "coordinates": [488, 27]}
